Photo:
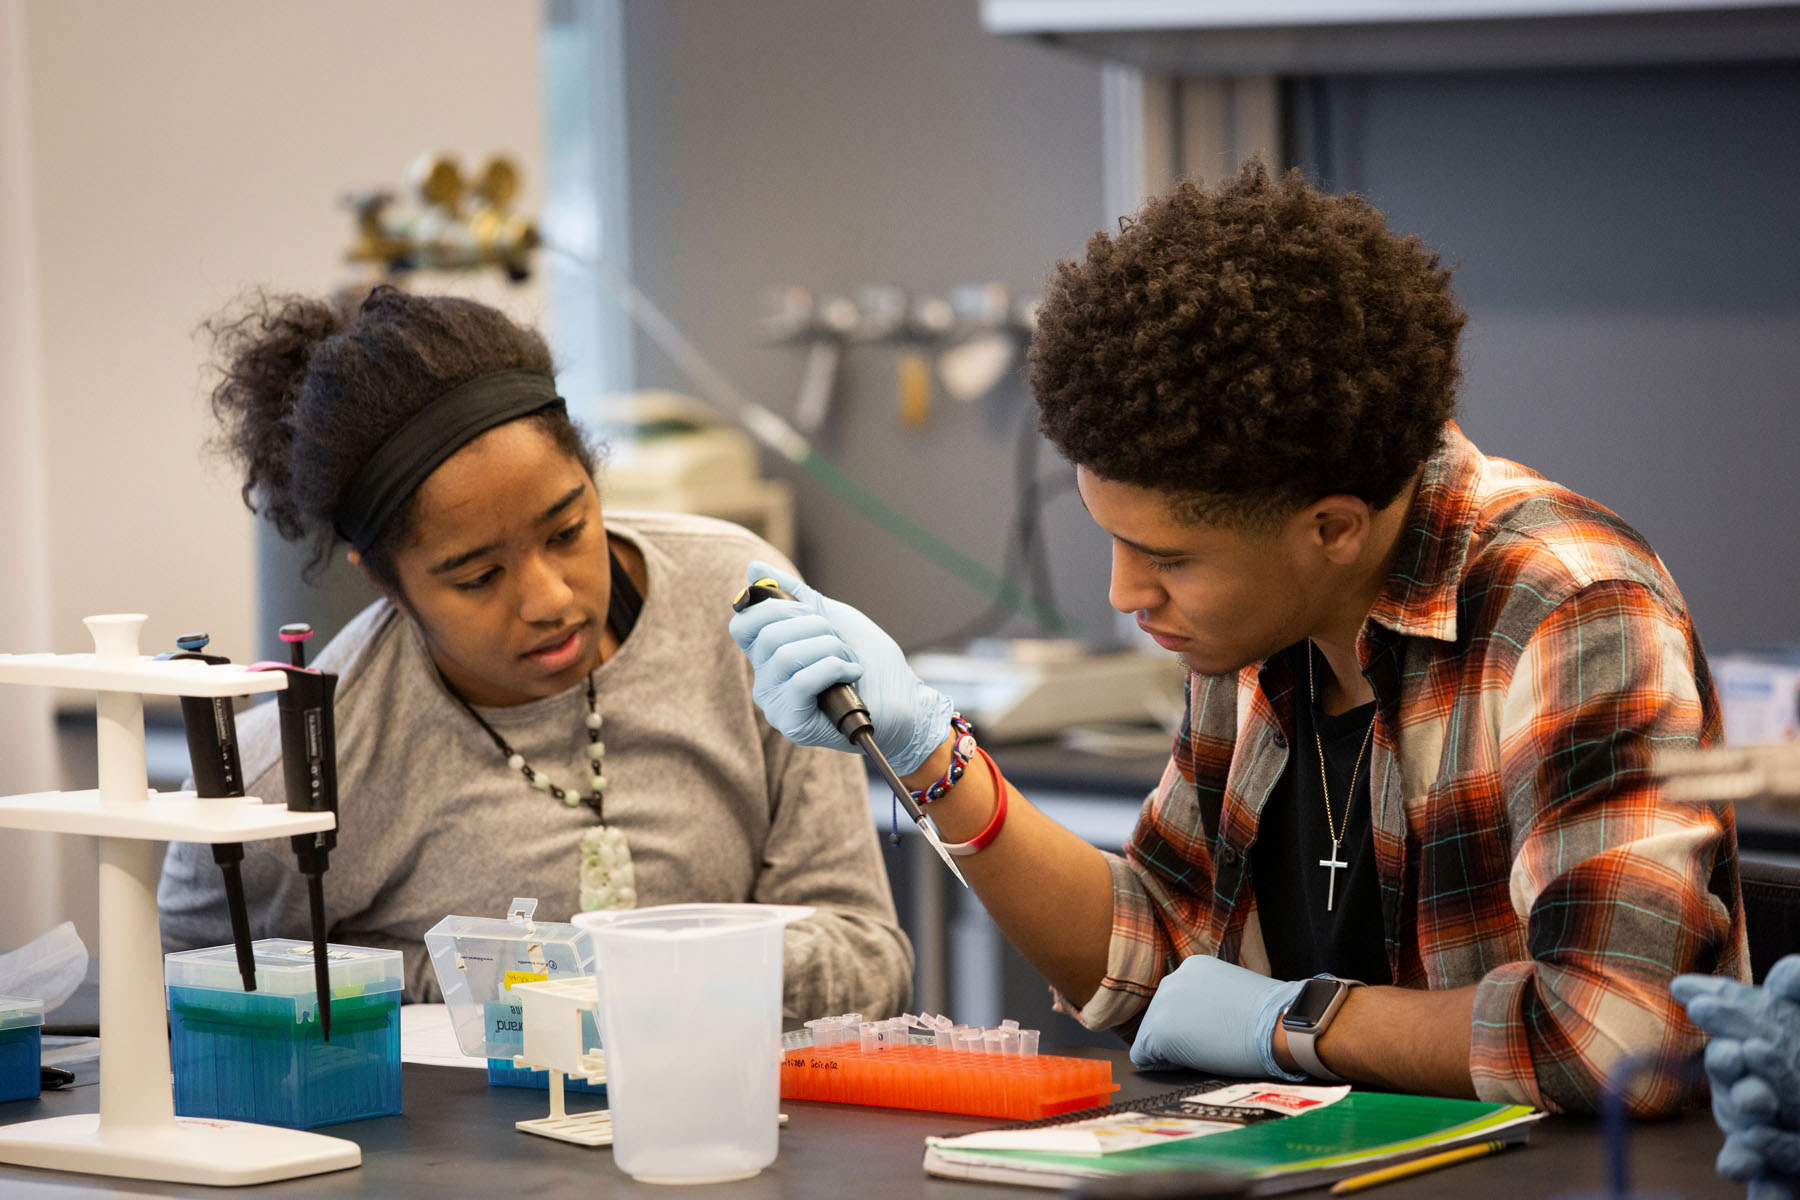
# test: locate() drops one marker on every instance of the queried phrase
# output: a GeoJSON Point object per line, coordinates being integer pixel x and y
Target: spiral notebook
{"type": "Point", "coordinates": [1276, 1137]}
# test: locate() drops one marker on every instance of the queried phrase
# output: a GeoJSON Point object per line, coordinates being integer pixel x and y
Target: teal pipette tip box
{"type": "Point", "coordinates": [21, 1047]}
{"type": "Point", "coordinates": [258, 1056]}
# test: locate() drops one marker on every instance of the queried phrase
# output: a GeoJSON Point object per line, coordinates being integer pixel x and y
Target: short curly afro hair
{"type": "Point", "coordinates": [1248, 349]}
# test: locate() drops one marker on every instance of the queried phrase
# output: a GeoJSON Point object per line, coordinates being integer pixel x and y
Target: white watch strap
{"type": "Point", "coordinates": [1300, 1045]}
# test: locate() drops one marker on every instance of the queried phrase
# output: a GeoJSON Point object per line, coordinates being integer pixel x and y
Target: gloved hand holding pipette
{"type": "Point", "coordinates": [1047, 889]}
{"type": "Point", "coordinates": [803, 681]}
{"type": "Point", "coordinates": [802, 646]}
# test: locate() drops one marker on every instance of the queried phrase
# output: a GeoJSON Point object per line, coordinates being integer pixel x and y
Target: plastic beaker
{"type": "Point", "coordinates": [690, 1005]}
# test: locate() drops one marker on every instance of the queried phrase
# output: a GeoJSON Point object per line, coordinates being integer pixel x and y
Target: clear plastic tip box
{"type": "Point", "coordinates": [21, 1043]}
{"type": "Point", "coordinates": [478, 959]}
{"type": "Point", "coordinates": [258, 1056]}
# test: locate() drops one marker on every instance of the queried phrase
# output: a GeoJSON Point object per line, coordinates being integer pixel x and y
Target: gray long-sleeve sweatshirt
{"type": "Point", "coordinates": [714, 804]}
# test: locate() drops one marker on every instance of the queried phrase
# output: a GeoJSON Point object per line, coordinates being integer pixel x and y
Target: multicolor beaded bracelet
{"type": "Point", "coordinates": [961, 751]}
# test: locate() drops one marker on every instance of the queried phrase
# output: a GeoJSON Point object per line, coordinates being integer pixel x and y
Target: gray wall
{"type": "Point", "coordinates": [832, 144]}
{"type": "Point", "coordinates": [1624, 241]}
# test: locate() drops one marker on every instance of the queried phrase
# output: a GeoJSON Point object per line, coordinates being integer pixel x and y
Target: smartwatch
{"type": "Point", "coordinates": [1307, 1018]}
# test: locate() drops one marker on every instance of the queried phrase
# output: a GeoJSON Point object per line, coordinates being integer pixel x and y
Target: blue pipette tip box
{"type": "Point", "coordinates": [260, 1056]}
{"type": "Point", "coordinates": [21, 1047]}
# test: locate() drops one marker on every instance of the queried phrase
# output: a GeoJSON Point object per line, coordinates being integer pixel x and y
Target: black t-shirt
{"type": "Point", "coordinates": [1302, 937]}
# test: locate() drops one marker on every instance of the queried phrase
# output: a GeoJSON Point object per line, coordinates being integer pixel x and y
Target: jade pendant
{"type": "Point", "coordinates": [607, 878]}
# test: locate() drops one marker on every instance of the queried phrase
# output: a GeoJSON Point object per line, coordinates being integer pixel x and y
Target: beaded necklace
{"type": "Point", "coordinates": [607, 878]}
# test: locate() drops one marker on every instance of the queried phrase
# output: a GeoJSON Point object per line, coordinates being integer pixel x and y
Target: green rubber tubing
{"type": "Point", "coordinates": [927, 544]}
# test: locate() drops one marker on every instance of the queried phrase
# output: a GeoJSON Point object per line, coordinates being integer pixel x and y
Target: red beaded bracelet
{"type": "Point", "coordinates": [981, 840]}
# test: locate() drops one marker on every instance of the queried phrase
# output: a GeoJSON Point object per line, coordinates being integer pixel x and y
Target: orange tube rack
{"type": "Point", "coordinates": [940, 1080]}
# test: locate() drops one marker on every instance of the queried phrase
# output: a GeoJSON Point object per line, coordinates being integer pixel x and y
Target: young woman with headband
{"type": "Point", "coordinates": [545, 701]}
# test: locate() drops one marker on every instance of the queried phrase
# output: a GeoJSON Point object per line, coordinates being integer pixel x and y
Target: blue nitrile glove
{"type": "Point", "coordinates": [800, 648]}
{"type": "Point", "coordinates": [1768, 1015]}
{"type": "Point", "coordinates": [1741, 1102]}
{"type": "Point", "coordinates": [1753, 1065]}
{"type": "Point", "coordinates": [1771, 1189]}
{"type": "Point", "coordinates": [1765, 1099]}
{"type": "Point", "coordinates": [1746, 1107]}
{"type": "Point", "coordinates": [1778, 1066]}
{"type": "Point", "coordinates": [1776, 1150]}
{"type": "Point", "coordinates": [1212, 1015]}
{"type": "Point", "coordinates": [1726, 1008]}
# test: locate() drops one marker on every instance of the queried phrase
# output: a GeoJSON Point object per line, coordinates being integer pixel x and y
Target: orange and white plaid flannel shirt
{"type": "Point", "coordinates": [1528, 653]}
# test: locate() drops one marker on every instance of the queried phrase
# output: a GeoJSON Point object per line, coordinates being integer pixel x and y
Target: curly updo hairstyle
{"type": "Point", "coordinates": [1249, 349]}
{"type": "Point", "coordinates": [309, 388]}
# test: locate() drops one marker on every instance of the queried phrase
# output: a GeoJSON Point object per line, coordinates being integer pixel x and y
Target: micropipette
{"type": "Point", "coordinates": [309, 769]}
{"type": "Point", "coordinates": [213, 753]}
{"type": "Point", "coordinates": [851, 716]}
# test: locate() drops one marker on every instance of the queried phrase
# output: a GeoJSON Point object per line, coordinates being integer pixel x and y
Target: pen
{"type": "Point", "coordinates": [1417, 1166]}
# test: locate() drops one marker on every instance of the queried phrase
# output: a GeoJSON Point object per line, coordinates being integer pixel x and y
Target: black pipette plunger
{"type": "Point", "coordinates": [851, 716]}
{"type": "Point", "coordinates": [309, 768]}
{"type": "Point", "coordinates": [296, 636]}
{"type": "Point", "coordinates": [213, 753]}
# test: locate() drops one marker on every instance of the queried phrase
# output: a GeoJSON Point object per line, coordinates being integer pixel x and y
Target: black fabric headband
{"type": "Point", "coordinates": [416, 449]}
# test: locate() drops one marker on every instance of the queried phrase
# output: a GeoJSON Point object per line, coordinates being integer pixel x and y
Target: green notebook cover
{"type": "Point", "coordinates": [1358, 1133]}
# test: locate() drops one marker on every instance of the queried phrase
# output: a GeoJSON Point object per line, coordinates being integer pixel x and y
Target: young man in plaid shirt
{"type": "Point", "coordinates": [1425, 687]}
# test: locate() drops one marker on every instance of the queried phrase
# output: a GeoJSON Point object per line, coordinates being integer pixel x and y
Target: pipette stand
{"type": "Point", "coordinates": [550, 1010]}
{"type": "Point", "coordinates": [136, 1134]}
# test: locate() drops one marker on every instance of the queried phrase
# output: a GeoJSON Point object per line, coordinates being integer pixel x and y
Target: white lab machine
{"type": "Point", "coordinates": [670, 453]}
{"type": "Point", "coordinates": [1020, 689]}
{"type": "Point", "coordinates": [1759, 694]}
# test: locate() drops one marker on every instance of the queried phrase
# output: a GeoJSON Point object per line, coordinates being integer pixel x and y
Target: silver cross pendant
{"type": "Point", "coordinates": [1332, 864]}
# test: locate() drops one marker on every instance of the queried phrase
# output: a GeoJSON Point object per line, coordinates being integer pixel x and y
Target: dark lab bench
{"type": "Point", "coordinates": [456, 1138]}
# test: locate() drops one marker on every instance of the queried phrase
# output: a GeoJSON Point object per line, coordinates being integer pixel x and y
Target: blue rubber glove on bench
{"type": "Point", "coordinates": [1211, 1015]}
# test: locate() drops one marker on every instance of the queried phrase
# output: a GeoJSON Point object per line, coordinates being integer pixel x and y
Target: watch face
{"type": "Point", "coordinates": [1308, 1008]}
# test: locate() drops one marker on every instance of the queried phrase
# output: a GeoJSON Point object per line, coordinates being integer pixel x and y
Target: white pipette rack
{"type": "Point", "coordinates": [550, 1010]}
{"type": "Point", "coordinates": [136, 1133]}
